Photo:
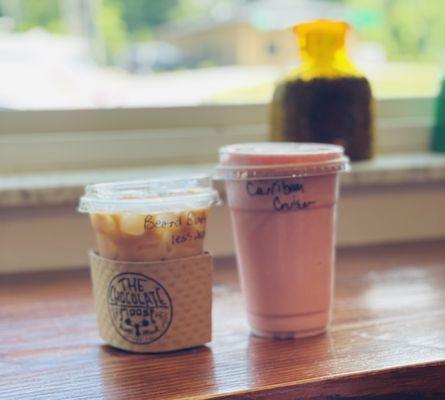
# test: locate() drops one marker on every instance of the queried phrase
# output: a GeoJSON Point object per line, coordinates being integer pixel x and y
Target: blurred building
{"type": "Point", "coordinates": [257, 33]}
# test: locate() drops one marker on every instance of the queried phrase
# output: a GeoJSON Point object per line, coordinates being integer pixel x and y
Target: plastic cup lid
{"type": "Point", "coordinates": [149, 196]}
{"type": "Point", "coordinates": [279, 160]}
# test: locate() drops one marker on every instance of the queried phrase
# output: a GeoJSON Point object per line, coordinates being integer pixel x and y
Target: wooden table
{"type": "Point", "coordinates": [387, 340]}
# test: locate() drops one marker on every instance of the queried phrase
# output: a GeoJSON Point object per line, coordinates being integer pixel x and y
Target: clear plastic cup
{"type": "Point", "coordinates": [150, 220]}
{"type": "Point", "coordinates": [282, 199]}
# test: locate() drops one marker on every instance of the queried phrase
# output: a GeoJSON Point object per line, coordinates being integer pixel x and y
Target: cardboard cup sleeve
{"type": "Point", "coordinates": [151, 307]}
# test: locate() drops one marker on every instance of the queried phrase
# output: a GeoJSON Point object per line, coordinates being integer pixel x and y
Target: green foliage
{"type": "Point", "coordinates": [41, 13]}
{"type": "Point", "coordinates": [142, 16]}
{"type": "Point", "coordinates": [187, 8]}
{"type": "Point", "coordinates": [409, 29]}
{"type": "Point", "coordinates": [195, 9]}
{"type": "Point", "coordinates": [112, 28]}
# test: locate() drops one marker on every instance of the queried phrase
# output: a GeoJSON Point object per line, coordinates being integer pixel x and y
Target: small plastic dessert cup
{"type": "Point", "coordinates": [282, 198]}
{"type": "Point", "coordinates": [150, 220]}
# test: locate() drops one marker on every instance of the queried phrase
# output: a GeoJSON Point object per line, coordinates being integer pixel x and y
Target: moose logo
{"type": "Point", "coordinates": [140, 307]}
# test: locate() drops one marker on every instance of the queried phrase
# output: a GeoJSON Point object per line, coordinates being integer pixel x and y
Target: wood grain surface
{"type": "Point", "coordinates": [386, 341]}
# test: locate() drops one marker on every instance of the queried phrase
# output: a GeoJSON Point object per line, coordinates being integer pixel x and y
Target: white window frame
{"type": "Point", "coordinates": [102, 138]}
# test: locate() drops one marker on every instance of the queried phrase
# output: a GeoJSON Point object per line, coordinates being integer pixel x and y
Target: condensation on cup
{"type": "Point", "coordinates": [282, 199]}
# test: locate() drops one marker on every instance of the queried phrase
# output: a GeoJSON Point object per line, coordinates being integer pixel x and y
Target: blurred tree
{"type": "Point", "coordinates": [41, 13]}
{"type": "Point", "coordinates": [112, 29]}
{"type": "Point", "coordinates": [142, 16]}
{"type": "Point", "coordinates": [409, 29]}
{"type": "Point", "coordinates": [205, 8]}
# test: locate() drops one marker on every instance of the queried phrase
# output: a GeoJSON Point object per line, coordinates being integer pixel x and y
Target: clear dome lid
{"type": "Point", "coordinates": [149, 196]}
{"type": "Point", "coordinates": [279, 160]}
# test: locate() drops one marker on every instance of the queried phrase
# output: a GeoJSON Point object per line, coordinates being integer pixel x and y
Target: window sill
{"type": "Point", "coordinates": [93, 139]}
{"type": "Point", "coordinates": [393, 198]}
{"type": "Point", "coordinates": [65, 187]}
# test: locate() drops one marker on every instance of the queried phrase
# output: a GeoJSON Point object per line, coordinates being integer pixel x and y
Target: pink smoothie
{"type": "Point", "coordinates": [282, 199]}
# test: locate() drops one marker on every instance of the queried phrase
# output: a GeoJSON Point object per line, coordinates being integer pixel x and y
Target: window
{"type": "Point", "coordinates": [70, 54]}
{"type": "Point", "coordinates": [81, 77]}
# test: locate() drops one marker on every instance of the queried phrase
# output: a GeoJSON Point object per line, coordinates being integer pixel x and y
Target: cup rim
{"type": "Point", "coordinates": [155, 195]}
{"type": "Point", "coordinates": [279, 160]}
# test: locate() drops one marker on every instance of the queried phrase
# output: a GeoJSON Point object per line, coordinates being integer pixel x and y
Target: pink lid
{"type": "Point", "coordinates": [279, 160]}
